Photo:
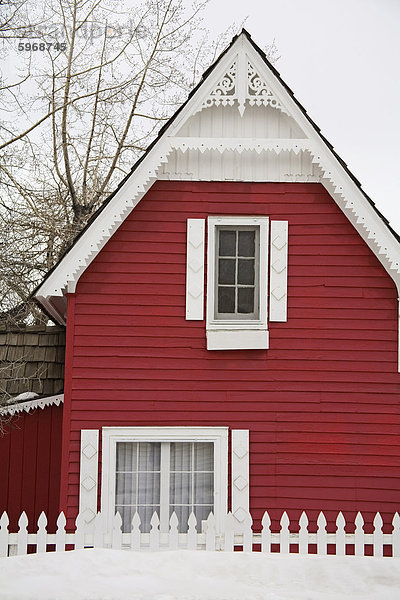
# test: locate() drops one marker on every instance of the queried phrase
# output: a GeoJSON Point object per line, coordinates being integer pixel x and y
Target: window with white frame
{"type": "Point", "coordinates": [164, 470]}
{"type": "Point", "coordinates": [237, 283]}
{"type": "Point", "coordinates": [237, 273]}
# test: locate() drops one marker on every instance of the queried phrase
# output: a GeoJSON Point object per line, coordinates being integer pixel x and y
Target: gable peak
{"type": "Point", "coordinates": [242, 80]}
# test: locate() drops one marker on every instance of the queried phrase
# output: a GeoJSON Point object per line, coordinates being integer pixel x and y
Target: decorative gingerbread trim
{"type": "Point", "coordinates": [30, 405]}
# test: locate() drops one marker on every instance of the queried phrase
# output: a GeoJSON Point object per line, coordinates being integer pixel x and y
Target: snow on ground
{"type": "Point", "coordinates": [183, 575]}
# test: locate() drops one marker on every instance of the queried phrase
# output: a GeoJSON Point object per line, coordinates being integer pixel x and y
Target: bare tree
{"type": "Point", "coordinates": [93, 89]}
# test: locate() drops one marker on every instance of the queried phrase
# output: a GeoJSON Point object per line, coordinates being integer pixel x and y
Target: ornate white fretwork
{"type": "Point", "coordinates": [259, 92]}
{"type": "Point", "coordinates": [224, 92]}
{"type": "Point", "coordinates": [242, 84]}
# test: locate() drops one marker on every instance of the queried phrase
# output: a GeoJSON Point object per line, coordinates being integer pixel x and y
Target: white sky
{"type": "Point", "coordinates": [341, 59]}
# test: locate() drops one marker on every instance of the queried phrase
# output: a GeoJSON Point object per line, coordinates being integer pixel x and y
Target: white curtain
{"type": "Point", "coordinates": [190, 480]}
{"type": "Point", "coordinates": [137, 482]}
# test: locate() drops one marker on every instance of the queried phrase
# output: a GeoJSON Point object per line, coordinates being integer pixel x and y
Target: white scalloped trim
{"type": "Point", "coordinates": [32, 404]}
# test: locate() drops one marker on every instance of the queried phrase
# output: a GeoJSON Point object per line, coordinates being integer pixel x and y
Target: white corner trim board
{"type": "Point", "coordinates": [195, 269]}
{"type": "Point", "coordinates": [88, 475]}
{"type": "Point", "coordinates": [240, 474]}
{"type": "Point", "coordinates": [278, 271]}
{"type": "Point", "coordinates": [30, 405]}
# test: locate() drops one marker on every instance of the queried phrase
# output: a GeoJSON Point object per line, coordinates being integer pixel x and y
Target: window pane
{"type": "Point", "coordinates": [128, 499]}
{"type": "Point", "coordinates": [204, 456]}
{"type": "Point", "coordinates": [226, 299]}
{"type": "Point", "coordinates": [181, 456]}
{"type": "Point", "coordinates": [125, 488]}
{"type": "Point", "coordinates": [246, 245]}
{"type": "Point", "coordinates": [226, 270]}
{"type": "Point", "coordinates": [148, 488]}
{"type": "Point", "coordinates": [149, 456]}
{"type": "Point", "coordinates": [245, 300]}
{"type": "Point", "coordinates": [227, 243]}
{"type": "Point", "coordinates": [126, 456]}
{"type": "Point", "coordinates": [246, 271]}
{"type": "Point", "coordinates": [203, 488]}
{"type": "Point", "coordinates": [180, 488]}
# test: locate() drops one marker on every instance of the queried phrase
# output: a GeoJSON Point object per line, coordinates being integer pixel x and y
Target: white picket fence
{"type": "Point", "coordinates": [229, 537]}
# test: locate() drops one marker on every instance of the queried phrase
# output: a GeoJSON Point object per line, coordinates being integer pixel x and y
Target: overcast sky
{"type": "Point", "coordinates": [341, 59]}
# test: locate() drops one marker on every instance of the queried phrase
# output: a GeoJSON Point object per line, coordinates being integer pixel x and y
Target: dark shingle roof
{"type": "Point", "coordinates": [31, 360]}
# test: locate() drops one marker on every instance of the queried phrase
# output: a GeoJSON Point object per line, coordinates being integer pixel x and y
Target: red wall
{"type": "Point", "coordinates": [30, 465]}
{"type": "Point", "coordinates": [322, 404]}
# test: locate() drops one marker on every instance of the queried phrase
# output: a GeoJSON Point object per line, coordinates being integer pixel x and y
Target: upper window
{"type": "Point", "coordinates": [164, 470]}
{"type": "Point", "coordinates": [237, 273]}
{"type": "Point", "coordinates": [237, 283]}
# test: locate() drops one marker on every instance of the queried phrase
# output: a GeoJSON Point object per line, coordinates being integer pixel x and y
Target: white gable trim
{"type": "Point", "coordinates": [334, 177]}
{"type": "Point", "coordinates": [12, 409]}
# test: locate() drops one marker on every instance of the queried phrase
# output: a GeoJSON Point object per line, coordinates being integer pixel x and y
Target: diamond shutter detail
{"type": "Point", "coordinates": [278, 271]}
{"type": "Point", "coordinates": [88, 479]}
{"type": "Point", "coordinates": [240, 474]}
{"type": "Point", "coordinates": [195, 270]}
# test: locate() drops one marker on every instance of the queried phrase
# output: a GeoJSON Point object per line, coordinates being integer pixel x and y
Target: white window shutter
{"type": "Point", "coordinates": [195, 270]}
{"type": "Point", "coordinates": [89, 473]}
{"type": "Point", "coordinates": [278, 271]}
{"type": "Point", "coordinates": [240, 474]}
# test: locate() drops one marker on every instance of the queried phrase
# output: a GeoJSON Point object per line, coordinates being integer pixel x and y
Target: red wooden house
{"type": "Point", "coordinates": [232, 321]}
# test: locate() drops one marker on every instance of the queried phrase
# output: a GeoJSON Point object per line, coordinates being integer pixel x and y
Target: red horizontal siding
{"type": "Point", "coordinates": [322, 404]}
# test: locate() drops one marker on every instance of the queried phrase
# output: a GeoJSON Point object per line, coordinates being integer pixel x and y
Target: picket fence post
{"type": "Point", "coordinates": [340, 535]}
{"type": "Point", "coordinates": [135, 532]}
{"type": "Point", "coordinates": [60, 533]}
{"type": "Point", "coordinates": [284, 534]}
{"type": "Point", "coordinates": [4, 522]}
{"type": "Point", "coordinates": [359, 535]}
{"type": "Point", "coordinates": [155, 532]}
{"type": "Point", "coordinates": [22, 536]}
{"type": "Point", "coordinates": [266, 533]}
{"type": "Point", "coordinates": [192, 532]}
{"type": "Point", "coordinates": [41, 536]}
{"type": "Point", "coordinates": [303, 534]}
{"type": "Point", "coordinates": [396, 535]}
{"type": "Point", "coordinates": [378, 535]}
{"type": "Point", "coordinates": [173, 532]}
{"type": "Point", "coordinates": [210, 533]}
{"type": "Point", "coordinates": [322, 539]}
{"type": "Point", "coordinates": [116, 543]}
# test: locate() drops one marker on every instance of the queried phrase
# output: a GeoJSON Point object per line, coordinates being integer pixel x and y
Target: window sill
{"type": "Point", "coordinates": [237, 339]}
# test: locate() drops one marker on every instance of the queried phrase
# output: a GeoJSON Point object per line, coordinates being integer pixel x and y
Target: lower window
{"type": "Point", "coordinates": [164, 470]}
{"type": "Point", "coordinates": [151, 475]}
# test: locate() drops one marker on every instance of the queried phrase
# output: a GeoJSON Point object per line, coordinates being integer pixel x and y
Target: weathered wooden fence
{"type": "Point", "coordinates": [229, 537]}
